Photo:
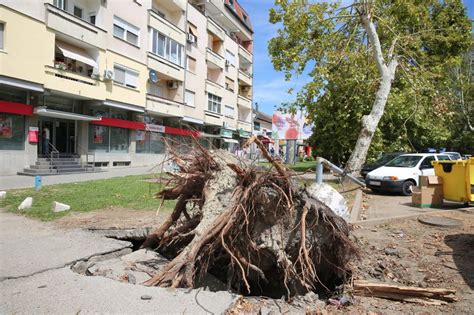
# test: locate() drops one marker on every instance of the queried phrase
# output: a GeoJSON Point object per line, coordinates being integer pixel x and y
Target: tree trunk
{"type": "Point", "coordinates": [371, 121]}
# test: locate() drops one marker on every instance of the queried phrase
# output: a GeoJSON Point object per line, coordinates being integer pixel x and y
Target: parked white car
{"type": "Point", "coordinates": [402, 172]}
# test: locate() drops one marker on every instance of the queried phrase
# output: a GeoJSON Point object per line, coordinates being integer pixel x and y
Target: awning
{"type": "Point", "coordinates": [16, 108]}
{"type": "Point", "coordinates": [21, 84]}
{"type": "Point", "coordinates": [41, 111]}
{"type": "Point", "coordinates": [230, 140]}
{"type": "Point", "coordinates": [76, 53]}
{"type": "Point", "coordinates": [121, 105]}
{"type": "Point", "coordinates": [208, 135]}
{"type": "Point", "coordinates": [192, 29]}
{"type": "Point", "coordinates": [193, 120]}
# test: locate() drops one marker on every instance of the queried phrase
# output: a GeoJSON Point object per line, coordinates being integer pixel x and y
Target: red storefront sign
{"type": "Point", "coordinates": [120, 123]}
{"type": "Point", "coordinates": [16, 108]}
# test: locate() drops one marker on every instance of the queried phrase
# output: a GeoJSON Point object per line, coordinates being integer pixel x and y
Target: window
{"type": "Point", "coordinates": [126, 31]}
{"type": "Point", "coordinates": [125, 77]}
{"type": "Point", "coordinates": [167, 48]}
{"type": "Point", "coordinates": [150, 142]}
{"type": "Point", "coordinates": [229, 84]}
{"type": "Point", "coordinates": [191, 65]}
{"type": "Point", "coordinates": [60, 4]}
{"type": "Point", "coordinates": [118, 139]}
{"type": "Point", "coordinates": [189, 98]}
{"type": "Point", "coordinates": [155, 89]}
{"type": "Point", "coordinates": [2, 29]}
{"type": "Point", "coordinates": [12, 132]}
{"type": "Point", "coordinates": [229, 111]}
{"type": "Point", "coordinates": [92, 17]}
{"type": "Point", "coordinates": [78, 12]}
{"type": "Point", "coordinates": [256, 125]}
{"type": "Point", "coordinates": [427, 162]}
{"type": "Point", "coordinates": [214, 103]}
{"type": "Point", "coordinates": [230, 57]}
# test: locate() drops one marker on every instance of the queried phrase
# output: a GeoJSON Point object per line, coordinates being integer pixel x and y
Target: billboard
{"type": "Point", "coordinates": [291, 126]}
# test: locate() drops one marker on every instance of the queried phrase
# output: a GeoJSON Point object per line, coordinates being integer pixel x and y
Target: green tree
{"type": "Point", "coordinates": [362, 55]}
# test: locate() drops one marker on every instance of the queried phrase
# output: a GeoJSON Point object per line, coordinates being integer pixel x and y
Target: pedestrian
{"type": "Point", "coordinates": [272, 152]}
{"type": "Point", "coordinates": [46, 138]}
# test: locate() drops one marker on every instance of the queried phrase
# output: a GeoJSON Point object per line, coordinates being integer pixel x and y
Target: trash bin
{"type": "Point", "coordinates": [458, 179]}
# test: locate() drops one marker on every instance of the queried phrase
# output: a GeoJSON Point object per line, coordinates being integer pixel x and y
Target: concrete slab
{"type": "Point", "coordinates": [61, 291]}
{"type": "Point", "coordinates": [28, 246]}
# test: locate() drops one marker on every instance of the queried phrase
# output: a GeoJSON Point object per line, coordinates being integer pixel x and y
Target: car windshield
{"type": "Point", "coordinates": [385, 158]}
{"type": "Point", "coordinates": [404, 161]}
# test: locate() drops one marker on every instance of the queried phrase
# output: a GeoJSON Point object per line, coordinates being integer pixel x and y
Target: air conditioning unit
{"type": "Point", "coordinates": [190, 38]}
{"type": "Point", "coordinates": [172, 85]}
{"type": "Point", "coordinates": [227, 63]}
{"type": "Point", "coordinates": [108, 75]}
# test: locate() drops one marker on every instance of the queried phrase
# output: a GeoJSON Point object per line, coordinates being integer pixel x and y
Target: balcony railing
{"type": "Point", "coordinates": [245, 77]}
{"type": "Point", "coordinates": [244, 101]}
{"type": "Point", "coordinates": [215, 58]}
{"type": "Point", "coordinates": [71, 25]}
{"type": "Point", "coordinates": [161, 105]}
{"type": "Point", "coordinates": [159, 23]}
{"type": "Point", "coordinates": [71, 76]}
{"type": "Point", "coordinates": [245, 53]}
{"type": "Point", "coordinates": [215, 29]}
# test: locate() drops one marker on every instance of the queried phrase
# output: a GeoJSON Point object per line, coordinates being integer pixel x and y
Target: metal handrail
{"type": "Point", "coordinates": [87, 153]}
{"type": "Point", "coordinates": [53, 151]}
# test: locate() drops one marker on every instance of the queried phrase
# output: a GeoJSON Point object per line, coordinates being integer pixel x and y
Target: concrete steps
{"type": "Point", "coordinates": [64, 164]}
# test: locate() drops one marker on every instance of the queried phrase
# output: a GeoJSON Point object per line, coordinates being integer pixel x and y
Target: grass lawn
{"type": "Point", "coordinates": [299, 166]}
{"type": "Point", "coordinates": [131, 192]}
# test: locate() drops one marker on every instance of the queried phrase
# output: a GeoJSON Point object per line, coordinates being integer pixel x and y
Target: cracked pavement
{"type": "Point", "coordinates": [35, 276]}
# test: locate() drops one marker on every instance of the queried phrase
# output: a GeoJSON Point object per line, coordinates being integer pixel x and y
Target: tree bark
{"type": "Point", "coordinates": [371, 121]}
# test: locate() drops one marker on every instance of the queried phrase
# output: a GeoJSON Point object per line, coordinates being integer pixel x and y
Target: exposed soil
{"type": "Point", "coordinates": [113, 217]}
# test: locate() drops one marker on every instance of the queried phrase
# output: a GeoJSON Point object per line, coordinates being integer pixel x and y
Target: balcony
{"type": "Point", "coordinates": [167, 70]}
{"type": "Point", "coordinates": [244, 102]}
{"type": "Point", "coordinates": [173, 5]}
{"type": "Point", "coordinates": [244, 125]}
{"type": "Point", "coordinates": [245, 54]}
{"type": "Point", "coordinates": [244, 77]}
{"type": "Point", "coordinates": [216, 60]}
{"type": "Point", "coordinates": [211, 118]}
{"type": "Point", "coordinates": [166, 27]}
{"type": "Point", "coordinates": [73, 83]}
{"type": "Point", "coordinates": [215, 29]}
{"type": "Point", "coordinates": [214, 88]}
{"type": "Point", "coordinates": [163, 106]}
{"type": "Point", "coordinates": [75, 27]}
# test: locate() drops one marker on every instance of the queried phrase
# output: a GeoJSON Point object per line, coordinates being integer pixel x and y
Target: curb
{"type": "Point", "coordinates": [356, 206]}
{"type": "Point", "coordinates": [372, 222]}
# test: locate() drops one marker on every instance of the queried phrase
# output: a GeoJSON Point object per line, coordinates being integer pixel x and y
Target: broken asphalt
{"type": "Point", "coordinates": [35, 276]}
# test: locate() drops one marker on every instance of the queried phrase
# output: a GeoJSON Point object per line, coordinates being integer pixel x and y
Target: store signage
{"type": "Point", "coordinates": [225, 133]}
{"type": "Point", "coordinates": [155, 128]}
{"type": "Point", "coordinates": [244, 134]}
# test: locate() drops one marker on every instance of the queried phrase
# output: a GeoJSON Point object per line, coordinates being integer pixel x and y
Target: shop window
{"type": "Point", "coordinates": [150, 142]}
{"type": "Point", "coordinates": [118, 139]}
{"type": "Point", "coordinates": [12, 132]}
{"type": "Point", "coordinates": [99, 138]}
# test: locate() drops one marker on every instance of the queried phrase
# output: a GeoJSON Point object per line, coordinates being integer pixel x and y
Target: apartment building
{"type": "Point", "coordinates": [109, 82]}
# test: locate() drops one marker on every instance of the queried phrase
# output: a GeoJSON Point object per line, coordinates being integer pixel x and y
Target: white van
{"type": "Point", "coordinates": [402, 172]}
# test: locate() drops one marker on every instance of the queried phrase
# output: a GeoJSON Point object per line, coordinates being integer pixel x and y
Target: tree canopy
{"type": "Point", "coordinates": [330, 42]}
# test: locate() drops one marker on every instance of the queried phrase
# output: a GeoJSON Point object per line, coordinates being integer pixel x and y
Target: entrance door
{"type": "Point", "coordinates": [62, 135]}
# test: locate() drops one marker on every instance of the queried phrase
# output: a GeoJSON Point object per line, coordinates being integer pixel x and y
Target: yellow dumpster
{"type": "Point", "coordinates": [458, 179]}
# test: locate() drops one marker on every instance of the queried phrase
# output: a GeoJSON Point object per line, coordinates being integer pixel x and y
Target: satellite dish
{"type": "Point", "coordinates": [153, 76]}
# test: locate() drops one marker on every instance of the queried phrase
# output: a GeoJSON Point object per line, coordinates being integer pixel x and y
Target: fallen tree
{"type": "Point", "coordinates": [256, 229]}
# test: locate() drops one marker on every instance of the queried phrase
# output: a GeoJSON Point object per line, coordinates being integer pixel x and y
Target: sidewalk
{"type": "Point", "coordinates": [20, 181]}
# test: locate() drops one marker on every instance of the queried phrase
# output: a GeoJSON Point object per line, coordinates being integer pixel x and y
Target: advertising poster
{"type": "Point", "coordinates": [6, 130]}
{"type": "Point", "coordinates": [289, 126]}
{"type": "Point", "coordinates": [98, 134]}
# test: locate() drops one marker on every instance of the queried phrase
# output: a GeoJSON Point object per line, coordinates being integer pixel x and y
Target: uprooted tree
{"type": "Point", "coordinates": [256, 229]}
{"type": "Point", "coordinates": [364, 56]}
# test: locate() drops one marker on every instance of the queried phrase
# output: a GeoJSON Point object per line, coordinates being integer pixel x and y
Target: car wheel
{"type": "Point", "coordinates": [406, 188]}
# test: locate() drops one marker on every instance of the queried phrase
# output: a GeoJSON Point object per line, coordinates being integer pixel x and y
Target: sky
{"type": "Point", "coordinates": [270, 87]}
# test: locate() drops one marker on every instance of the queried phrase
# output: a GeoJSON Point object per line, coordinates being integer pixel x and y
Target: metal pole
{"type": "Point", "coordinates": [319, 170]}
